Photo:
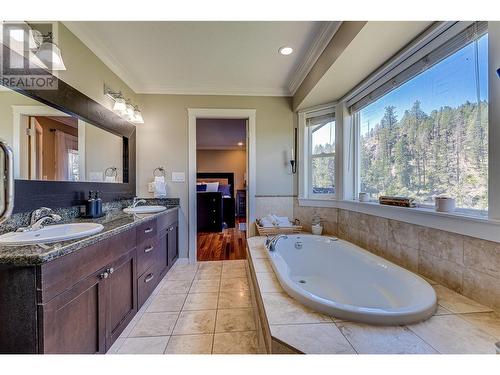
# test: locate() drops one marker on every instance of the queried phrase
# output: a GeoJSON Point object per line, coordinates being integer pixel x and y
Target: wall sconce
{"type": "Point", "coordinates": [41, 49]}
{"type": "Point", "coordinates": [124, 107]}
{"type": "Point", "coordinates": [293, 159]}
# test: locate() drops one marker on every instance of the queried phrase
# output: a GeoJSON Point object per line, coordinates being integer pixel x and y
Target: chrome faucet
{"type": "Point", "coordinates": [38, 217]}
{"type": "Point", "coordinates": [272, 241]}
{"type": "Point", "coordinates": [136, 201]}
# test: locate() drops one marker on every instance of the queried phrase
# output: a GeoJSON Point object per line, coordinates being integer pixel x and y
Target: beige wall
{"type": "Point", "coordinates": [232, 161]}
{"type": "Point", "coordinates": [86, 72]}
{"type": "Point", "coordinates": [102, 150]}
{"type": "Point", "coordinates": [163, 141]}
{"type": "Point", "coordinates": [7, 100]}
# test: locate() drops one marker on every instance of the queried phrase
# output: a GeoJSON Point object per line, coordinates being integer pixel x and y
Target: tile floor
{"type": "Point", "coordinates": [459, 326]}
{"type": "Point", "coordinates": [202, 308]}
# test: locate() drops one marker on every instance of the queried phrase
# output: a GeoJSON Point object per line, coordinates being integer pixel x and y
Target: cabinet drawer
{"type": "Point", "coordinates": [146, 231]}
{"type": "Point", "coordinates": [62, 273]}
{"type": "Point", "coordinates": [147, 253]}
{"type": "Point", "coordinates": [146, 284]}
{"type": "Point", "coordinates": [166, 220]}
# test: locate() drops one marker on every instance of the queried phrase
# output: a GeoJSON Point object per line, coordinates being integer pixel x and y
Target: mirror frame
{"type": "Point", "coordinates": [32, 194]}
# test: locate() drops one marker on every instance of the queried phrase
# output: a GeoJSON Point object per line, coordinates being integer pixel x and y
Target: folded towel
{"type": "Point", "coordinates": [160, 188]}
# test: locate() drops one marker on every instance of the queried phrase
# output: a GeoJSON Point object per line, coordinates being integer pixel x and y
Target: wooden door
{"type": "Point", "coordinates": [74, 321]}
{"type": "Point", "coordinates": [121, 295]}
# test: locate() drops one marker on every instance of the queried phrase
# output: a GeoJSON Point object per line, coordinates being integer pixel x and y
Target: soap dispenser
{"type": "Point", "coordinates": [98, 204]}
{"type": "Point", "coordinates": [90, 205]}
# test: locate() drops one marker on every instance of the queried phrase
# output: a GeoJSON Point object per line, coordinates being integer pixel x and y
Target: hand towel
{"type": "Point", "coordinates": [110, 179]}
{"type": "Point", "coordinates": [160, 188]}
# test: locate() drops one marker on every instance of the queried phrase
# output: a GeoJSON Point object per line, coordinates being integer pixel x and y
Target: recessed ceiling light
{"type": "Point", "coordinates": [240, 143]}
{"type": "Point", "coordinates": [286, 50]}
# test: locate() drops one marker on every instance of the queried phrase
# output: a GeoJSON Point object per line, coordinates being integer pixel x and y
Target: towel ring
{"type": "Point", "coordinates": [161, 170]}
{"type": "Point", "coordinates": [111, 172]}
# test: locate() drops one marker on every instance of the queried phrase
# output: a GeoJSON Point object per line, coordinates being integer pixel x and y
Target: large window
{"type": "Point", "coordinates": [429, 136]}
{"type": "Point", "coordinates": [321, 142]}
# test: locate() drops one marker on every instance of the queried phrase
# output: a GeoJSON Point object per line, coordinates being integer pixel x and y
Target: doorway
{"type": "Point", "coordinates": [237, 200]}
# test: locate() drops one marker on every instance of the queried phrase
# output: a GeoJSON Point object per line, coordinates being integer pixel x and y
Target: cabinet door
{"type": "Point", "coordinates": [74, 321]}
{"type": "Point", "coordinates": [173, 249]}
{"type": "Point", "coordinates": [121, 295]}
{"type": "Point", "coordinates": [163, 243]}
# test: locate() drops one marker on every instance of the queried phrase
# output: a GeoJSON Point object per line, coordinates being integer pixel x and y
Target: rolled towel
{"type": "Point", "coordinates": [283, 223]}
{"type": "Point", "coordinates": [264, 222]}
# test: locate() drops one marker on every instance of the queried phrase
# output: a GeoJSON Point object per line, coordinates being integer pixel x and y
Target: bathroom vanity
{"type": "Point", "coordinates": [78, 296]}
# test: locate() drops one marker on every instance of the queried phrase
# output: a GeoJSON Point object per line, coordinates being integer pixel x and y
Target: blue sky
{"type": "Point", "coordinates": [450, 82]}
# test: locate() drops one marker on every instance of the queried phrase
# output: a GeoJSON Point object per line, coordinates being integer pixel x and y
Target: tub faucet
{"type": "Point", "coordinates": [136, 202]}
{"type": "Point", "coordinates": [38, 217]}
{"type": "Point", "coordinates": [271, 242]}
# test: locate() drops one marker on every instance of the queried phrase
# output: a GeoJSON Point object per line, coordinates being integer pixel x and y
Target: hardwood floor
{"type": "Point", "coordinates": [229, 244]}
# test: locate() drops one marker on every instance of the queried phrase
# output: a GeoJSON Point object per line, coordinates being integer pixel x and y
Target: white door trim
{"type": "Point", "coordinates": [193, 114]}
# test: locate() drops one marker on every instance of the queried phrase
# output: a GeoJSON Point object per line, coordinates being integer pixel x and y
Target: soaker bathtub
{"type": "Point", "coordinates": [338, 278]}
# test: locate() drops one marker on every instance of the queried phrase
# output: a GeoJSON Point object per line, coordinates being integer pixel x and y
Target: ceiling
{"type": "Point", "coordinates": [215, 58]}
{"type": "Point", "coordinates": [376, 43]}
{"type": "Point", "coordinates": [220, 134]}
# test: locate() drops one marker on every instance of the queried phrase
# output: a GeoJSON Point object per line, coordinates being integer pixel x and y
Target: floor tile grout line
{"type": "Point", "coordinates": [347, 339]}
{"type": "Point", "coordinates": [217, 310]}
{"type": "Point", "coordinates": [421, 338]}
{"type": "Point", "coordinates": [179, 314]}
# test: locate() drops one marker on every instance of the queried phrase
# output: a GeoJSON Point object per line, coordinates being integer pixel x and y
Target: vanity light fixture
{"type": "Point", "coordinates": [285, 50]}
{"type": "Point", "coordinates": [120, 106]}
{"type": "Point", "coordinates": [129, 112]}
{"type": "Point", "coordinates": [137, 116]}
{"type": "Point", "coordinates": [124, 107]}
{"type": "Point", "coordinates": [48, 52]}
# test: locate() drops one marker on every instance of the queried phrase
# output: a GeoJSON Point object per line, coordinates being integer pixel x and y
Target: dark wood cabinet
{"type": "Point", "coordinates": [80, 303]}
{"type": "Point", "coordinates": [173, 248]}
{"type": "Point", "coordinates": [74, 321]}
{"type": "Point", "coordinates": [121, 295]}
{"type": "Point", "coordinates": [241, 203]}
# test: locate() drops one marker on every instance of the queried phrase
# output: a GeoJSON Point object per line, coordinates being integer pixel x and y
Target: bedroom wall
{"type": "Point", "coordinates": [232, 161]}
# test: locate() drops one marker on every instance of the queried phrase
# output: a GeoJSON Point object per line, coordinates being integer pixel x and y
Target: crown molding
{"type": "Point", "coordinates": [317, 47]}
{"type": "Point", "coordinates": [211, 90]}
{"type": "Point", "coordinates": [94, 44]}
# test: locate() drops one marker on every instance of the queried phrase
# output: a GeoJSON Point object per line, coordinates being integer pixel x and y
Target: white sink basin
{"type": "Point", "coordinates": [144, 209]}
{"type": "Point", "coordinates": [50, 234]}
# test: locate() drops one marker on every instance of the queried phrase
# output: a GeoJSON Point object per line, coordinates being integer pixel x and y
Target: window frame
{"type": "Point", "coordinates": [356, 123]}
{"type": "Point", "coordinates": [305, 140]}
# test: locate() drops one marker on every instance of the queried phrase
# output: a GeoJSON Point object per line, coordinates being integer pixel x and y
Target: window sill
{"type": "Point", "coordinates": [456, 222]}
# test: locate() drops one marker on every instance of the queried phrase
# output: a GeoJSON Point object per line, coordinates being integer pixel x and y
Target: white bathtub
{"type": "Point", "coordinates": [338, 278]}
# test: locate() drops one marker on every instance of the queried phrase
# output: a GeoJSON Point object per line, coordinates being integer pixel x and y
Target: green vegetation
{"type": "Point", "coordinates": [424, 155]}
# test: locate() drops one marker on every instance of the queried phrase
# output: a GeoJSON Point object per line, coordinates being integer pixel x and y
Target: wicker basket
{"type": "Point", "coordinates": [268, 231]}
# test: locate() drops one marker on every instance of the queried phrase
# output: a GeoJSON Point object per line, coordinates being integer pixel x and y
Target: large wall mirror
{"type": "Point", "coordinates": [51, 145]}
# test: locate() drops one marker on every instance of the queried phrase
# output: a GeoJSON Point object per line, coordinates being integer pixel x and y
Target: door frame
{"type": "Point", "coordinates": [193, 115]}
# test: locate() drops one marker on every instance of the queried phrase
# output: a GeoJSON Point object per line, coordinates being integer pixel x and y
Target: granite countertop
{"type": "Point", "coordinates": [115, 221]}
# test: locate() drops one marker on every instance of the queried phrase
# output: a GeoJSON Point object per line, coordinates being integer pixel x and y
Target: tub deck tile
{"type": "Point", "coordinates": [460, 325]}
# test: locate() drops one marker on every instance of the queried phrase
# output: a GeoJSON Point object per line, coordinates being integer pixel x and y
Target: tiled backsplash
{"type": "Point", "coordinates": [69, 213]}
{"type": "Point", "coordinates": [468, 265]}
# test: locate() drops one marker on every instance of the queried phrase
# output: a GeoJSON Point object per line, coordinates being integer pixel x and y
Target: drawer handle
{"type": "Point", "coordinates": [149, 230]}
{"type": "Point", "coordinates": [170, 229]}
{"type": "Point", "coordinates": [148, 249]}
{"type": "Point", "coordinates": [104, 275]}
{"type": "Point", "coordinates": [149, 278]}
{"type": "Point", "coordinates": [110, 270]}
